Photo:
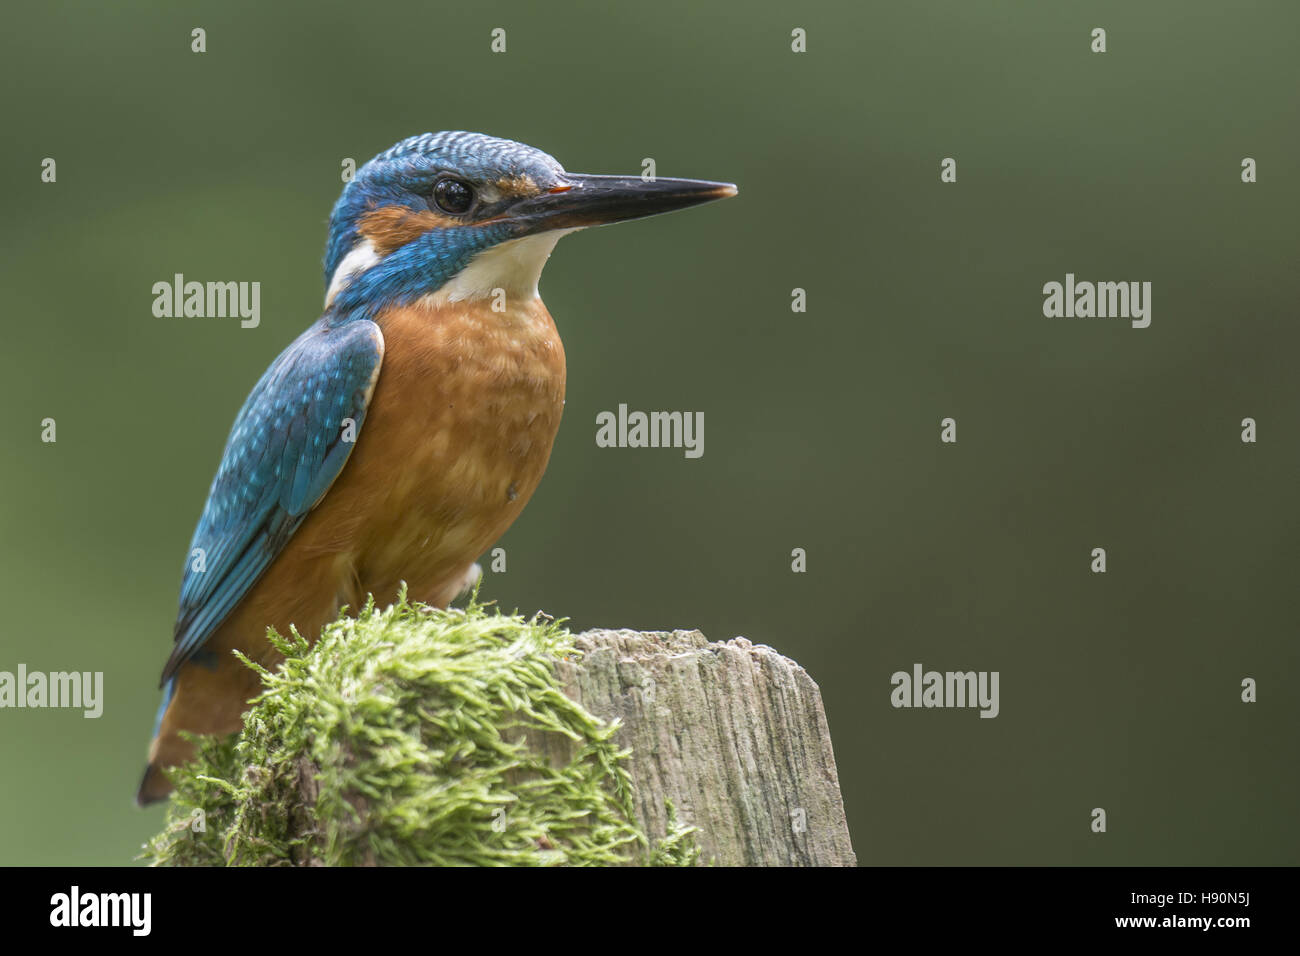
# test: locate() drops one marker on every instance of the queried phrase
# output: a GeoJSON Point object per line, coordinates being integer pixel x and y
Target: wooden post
{"type": "Point", "coordinates": [732, 733]}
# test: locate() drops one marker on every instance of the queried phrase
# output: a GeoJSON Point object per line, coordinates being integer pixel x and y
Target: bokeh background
{"type": "Point", "coordinates": [822, 429]}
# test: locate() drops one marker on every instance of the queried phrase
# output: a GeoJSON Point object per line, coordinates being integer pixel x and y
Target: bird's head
{"type": "Point", "coordinates": [459, 215]}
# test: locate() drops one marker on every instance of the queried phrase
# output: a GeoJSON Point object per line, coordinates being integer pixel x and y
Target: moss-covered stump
{"type": "Point", "coordinates": [414, 736]}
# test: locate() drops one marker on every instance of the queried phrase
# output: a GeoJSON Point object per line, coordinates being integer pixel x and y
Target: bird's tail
{"type": "Point", "coordinates": [154, 785]}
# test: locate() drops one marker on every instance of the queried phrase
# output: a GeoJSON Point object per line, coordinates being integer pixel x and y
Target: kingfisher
{"type": "Point", "coordinates": [403, 432]}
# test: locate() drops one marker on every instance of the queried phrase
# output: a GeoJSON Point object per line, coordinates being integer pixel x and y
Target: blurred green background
{"type": "Point", "coordinates": [822, 429]}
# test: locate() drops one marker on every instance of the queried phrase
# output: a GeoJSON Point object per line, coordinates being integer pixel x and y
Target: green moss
{"type": "Point", "coordinates": [414, 736]}
{"type": "Point", "coordinates": [677, 848]}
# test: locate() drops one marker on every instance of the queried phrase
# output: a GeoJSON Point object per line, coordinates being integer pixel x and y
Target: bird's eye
{"type": "Point", "coordinates": [452, 196]}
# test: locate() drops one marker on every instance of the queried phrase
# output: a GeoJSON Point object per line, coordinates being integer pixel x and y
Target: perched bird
{"type": "Point", "coordinates": [401, 434]}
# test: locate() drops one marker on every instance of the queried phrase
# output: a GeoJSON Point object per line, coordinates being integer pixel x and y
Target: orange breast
{"type": "Point", "coordinates": [457, 436]}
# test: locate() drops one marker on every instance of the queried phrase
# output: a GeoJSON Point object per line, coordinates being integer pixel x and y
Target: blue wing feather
{"type": "Point", "coordinates": [283, 453]}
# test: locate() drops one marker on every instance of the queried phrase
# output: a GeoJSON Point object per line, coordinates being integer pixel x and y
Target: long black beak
{"type": "Point", "coordinates": [595, 200]}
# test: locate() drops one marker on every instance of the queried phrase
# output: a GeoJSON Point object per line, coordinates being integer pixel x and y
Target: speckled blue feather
{"type": "Point", "coordinates": [284, 452]}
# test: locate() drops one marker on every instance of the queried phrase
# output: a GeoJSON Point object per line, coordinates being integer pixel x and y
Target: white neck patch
{"type": "Point", "coordinates": [361, 257]}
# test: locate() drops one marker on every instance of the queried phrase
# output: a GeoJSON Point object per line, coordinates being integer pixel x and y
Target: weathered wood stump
{"type": "Point", "coordinates": [732, 733]}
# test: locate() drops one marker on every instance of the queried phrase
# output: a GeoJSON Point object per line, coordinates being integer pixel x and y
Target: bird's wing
{"type": "Point", "coordinates": [285, 450]}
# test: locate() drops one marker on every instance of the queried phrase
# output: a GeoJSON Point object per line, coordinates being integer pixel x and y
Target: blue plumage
{"type": "Point", "coordinates": [283, 453]}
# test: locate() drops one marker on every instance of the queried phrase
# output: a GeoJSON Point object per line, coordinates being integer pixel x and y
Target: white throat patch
{"type": "Point", "coordinates": [514, 266]}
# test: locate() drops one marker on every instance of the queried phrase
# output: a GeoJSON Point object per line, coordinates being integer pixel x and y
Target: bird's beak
{"type": "Point", "coordinates": [581, 200]}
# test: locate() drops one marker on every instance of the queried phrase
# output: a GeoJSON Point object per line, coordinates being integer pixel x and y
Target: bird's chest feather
{"type": "Point", "coordinates": [459, 430]}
